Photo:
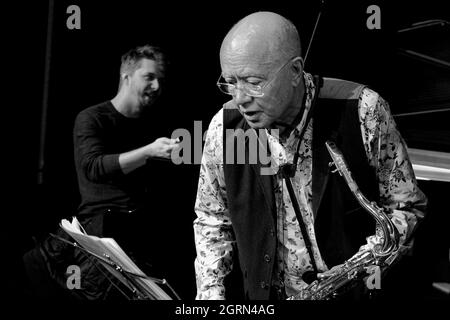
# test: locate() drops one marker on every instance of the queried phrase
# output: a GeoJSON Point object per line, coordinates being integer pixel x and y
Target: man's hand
{"type": "Point", "coordinates": [329, 273]}
{"type": "Point", "coordinates": [162, 147]}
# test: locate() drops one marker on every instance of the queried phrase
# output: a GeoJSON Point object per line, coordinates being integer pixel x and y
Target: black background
{"type": "Point", "coordinates": [84, 70]}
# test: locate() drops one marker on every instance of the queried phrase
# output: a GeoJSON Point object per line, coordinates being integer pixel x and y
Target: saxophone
{"type": "Point", "coordinates": [352, 271]}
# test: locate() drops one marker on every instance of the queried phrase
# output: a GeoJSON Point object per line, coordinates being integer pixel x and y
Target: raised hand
{"type": "Point", "coordinates": [162, 147]}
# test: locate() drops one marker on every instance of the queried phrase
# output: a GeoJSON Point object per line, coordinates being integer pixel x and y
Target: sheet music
{"type": "Point", "coordinates": [108, 248]}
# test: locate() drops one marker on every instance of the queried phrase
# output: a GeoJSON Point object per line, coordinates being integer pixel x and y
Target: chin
{"type": "Point", "coordinates": [257, 125]}
{"type": "Point", "coordinates": [147, 104]}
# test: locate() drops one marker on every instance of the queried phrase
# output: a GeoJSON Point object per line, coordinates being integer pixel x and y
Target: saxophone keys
{"type": "Point", "coordinates": [331, 165]}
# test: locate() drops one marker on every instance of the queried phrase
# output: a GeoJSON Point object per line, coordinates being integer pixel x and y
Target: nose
{"type": "Point", "coordinates": [155, 84]}
{"type": "Point", "coordinates": [240, 97]}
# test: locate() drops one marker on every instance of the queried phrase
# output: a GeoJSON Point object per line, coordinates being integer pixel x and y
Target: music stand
{"type": "Point", "coordinates": [116, 262]}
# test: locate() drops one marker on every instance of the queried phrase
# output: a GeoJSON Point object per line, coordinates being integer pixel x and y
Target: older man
{"type": "Point", "coordinates": [276, 230]}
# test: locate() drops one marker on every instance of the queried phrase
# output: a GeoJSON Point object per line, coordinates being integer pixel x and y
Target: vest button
{"type": "Point", "coordinates": [264, 285]}
{"type": "Point", "coordinates": [272, 233]}
{"type": "Point", "coordinates": [267, 258]}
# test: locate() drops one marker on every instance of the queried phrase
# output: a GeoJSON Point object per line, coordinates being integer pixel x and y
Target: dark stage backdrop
{"type": "Point", "coordinates": [84, 70]}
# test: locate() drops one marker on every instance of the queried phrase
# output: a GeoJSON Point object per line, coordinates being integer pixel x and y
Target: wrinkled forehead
{"type": "Point", "coordinates": [253, 52]}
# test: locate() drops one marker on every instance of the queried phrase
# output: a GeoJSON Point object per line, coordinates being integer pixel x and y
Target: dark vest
{"type": "Point", "coordinates": [341, 225]}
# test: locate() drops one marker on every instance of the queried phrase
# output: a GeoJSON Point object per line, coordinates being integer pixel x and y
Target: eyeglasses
{"type": "Point", "coordinates": [252, 90]}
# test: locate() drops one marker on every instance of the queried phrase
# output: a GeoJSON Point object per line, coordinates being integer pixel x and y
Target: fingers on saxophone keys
{"type": "Point", "coordinates": [323, 276]}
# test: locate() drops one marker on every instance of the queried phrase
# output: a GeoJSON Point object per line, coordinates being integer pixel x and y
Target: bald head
{"type": "Point", "coordinates": [262, 69]}
{"type": "Point", "coordinates": [266, 36]}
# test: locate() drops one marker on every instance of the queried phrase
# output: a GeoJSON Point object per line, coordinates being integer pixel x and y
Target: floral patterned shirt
{"type": "Point", "coordinates": [214, 239]}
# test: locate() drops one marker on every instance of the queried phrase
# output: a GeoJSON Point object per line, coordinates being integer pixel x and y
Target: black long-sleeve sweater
{"type": "Point", "coordinates": [100, 134]}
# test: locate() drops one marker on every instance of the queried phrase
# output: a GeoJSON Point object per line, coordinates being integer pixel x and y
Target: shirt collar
{"type": "Point", "coordinates": [307, 100]}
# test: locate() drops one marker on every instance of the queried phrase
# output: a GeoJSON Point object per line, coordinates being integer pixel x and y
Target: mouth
{"type": "Point", "coordinates": [150, 95]}
{"type": "Point", "coordinates": [251, 115]}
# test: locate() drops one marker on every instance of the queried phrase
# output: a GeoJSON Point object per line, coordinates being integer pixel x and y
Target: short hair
{"type": "Point", "coordinates": [131, 60]}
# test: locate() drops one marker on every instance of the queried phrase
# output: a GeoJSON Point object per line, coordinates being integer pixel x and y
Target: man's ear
{"type": "Point", "coordinates": [297, 69]}
{"type": "Point", "coordinates": [125, 77]}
